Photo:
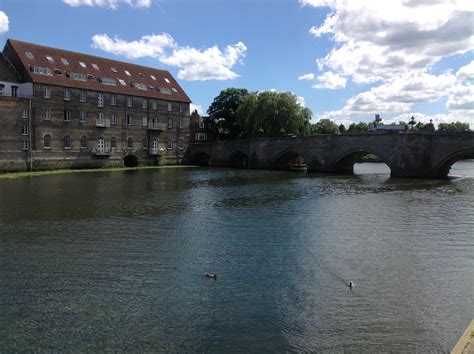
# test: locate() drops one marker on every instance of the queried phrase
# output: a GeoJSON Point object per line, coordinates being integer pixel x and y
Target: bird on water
{"type": "Point", "coordinates": [211, 276]}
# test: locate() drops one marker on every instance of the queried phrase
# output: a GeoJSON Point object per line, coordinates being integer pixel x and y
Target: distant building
{"type": "Point", "coordinates": [61, 109]}
{"type": "Point", "coordinates": [204, 128]}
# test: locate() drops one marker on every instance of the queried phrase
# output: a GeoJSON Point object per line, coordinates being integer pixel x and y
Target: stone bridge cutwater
{"type": "Point", "coordinates": [406, 154]}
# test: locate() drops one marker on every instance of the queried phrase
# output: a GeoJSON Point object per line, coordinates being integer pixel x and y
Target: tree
{"type": "Point", "coordinates": [225, 105]}
{"type": "Point", "coordinates": [342, 128]}
{"type": "Point", "coordinates": [325, 126]}
{"type": "Point", "coordinates": [271, 114]}
{"type": "Point", "coordinates": [357, 128]}
{"type": "Point", "coordinates": [454, 127]}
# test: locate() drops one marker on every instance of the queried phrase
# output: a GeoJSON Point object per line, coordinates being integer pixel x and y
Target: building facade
{"type": "Point", "coordinates": [61, 109]}
{"type": "Point", "coordinates": [204, 128]}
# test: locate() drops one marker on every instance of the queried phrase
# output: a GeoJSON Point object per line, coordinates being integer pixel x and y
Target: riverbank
{"type": "Point", "coordinates": [465, 345]}
{"type": "Point", "coordinates": [13, 175]}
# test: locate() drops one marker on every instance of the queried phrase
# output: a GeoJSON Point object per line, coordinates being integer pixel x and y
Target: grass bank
{"type": "Point", "coordinates": [13, 175]}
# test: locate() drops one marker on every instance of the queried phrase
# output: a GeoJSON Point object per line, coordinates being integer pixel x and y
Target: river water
{"type": "Point", "coordinates": [115, 261]}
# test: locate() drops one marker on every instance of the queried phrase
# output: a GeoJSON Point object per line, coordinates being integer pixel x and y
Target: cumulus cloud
{"type": "Point", "coordinates": [194, 64]}
{"type": "Point", "coordinates": [331, 81]}
{"type": "Point", "coordinates": [301, 101]}
{"type": "Point", "coordinates": [111, 4]}
{"type": "Point", "coordinates": [466, 72]}
{"type": "Point", "coordinates": [309, 76]}
{"type": "Point", "coordinates": [4, 23]}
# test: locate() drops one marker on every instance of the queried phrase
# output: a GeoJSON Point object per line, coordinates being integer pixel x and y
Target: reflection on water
{"type": "Point", "coordinates": [116, 261]}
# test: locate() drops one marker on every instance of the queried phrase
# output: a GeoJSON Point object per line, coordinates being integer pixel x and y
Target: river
{"type": "Point", "coordinates": [115, 261]}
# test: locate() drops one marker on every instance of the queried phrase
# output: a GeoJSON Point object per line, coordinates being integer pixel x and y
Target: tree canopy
{"type": "Point", "coordinates": [270, 114]}
{"type": "Point", "coordinates": [325, 126]}
{"type": "Point", "coordinates": [225, 105]}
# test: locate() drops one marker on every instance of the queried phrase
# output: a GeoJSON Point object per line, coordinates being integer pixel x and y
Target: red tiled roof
{"type": "Point", "coordinates": [140, 75]}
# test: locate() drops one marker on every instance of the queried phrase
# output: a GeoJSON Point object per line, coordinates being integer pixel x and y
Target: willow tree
{"type": "Point", "coordinates": [270, 114]}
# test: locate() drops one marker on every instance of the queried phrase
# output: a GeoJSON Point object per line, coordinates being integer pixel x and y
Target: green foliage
{"type": "Point", "coordinates": [342, 128]}
{"type": "Point", "coordinates": [225, 105]}
{"type": "Point", "coordinates": [357, 128]}
{"type": "Point", "coordinates": [325, 126]}
{"type": "Point", "coordinates": [271, 114]}
{"type": "Point", "coordinates": [455, 127]}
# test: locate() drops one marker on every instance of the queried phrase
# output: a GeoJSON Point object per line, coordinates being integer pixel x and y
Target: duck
{"type": "Point", "coordinates": [350, 284]}
{"type": "Point", "coordinates": [211, 276]}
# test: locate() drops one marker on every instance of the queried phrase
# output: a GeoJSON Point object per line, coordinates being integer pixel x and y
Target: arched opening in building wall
{"type": "Point", "coordinates": [290, 161]}
{"type": "Point", "coordinates": [201, 159]}
{"type": "Point", "coordinates": [130, 161]}
{"type": "Point", "coordinates": [460, 164]}
{"type": "Point", "coordinates": [361, 162]}
{"type": "Point", "coordinates": [238, 160]}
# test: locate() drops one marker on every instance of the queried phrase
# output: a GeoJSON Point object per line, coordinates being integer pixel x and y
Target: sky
{"type": "Point", "coordinates": [346, 60]}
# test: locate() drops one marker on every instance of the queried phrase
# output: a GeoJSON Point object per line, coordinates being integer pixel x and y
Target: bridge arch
{"type": "Point", "coordinates": [443, 167]}
{"type": "Point", "coordinates": [289, 160]}
{"type": "Point", "coordinates": [344, 163]}
{"type": "Point", "coordinates": [201, 159]}
{"type": "Point", "coordinates": [238, 159]}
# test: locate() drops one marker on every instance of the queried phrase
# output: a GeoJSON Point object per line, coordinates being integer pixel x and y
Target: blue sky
{"type": "Point", "coordinates": [345, 60]}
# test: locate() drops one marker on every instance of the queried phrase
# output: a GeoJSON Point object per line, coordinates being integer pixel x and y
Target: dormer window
{"type": "Point", "coordinates": [123, 83]}
{"type": "Point", "coordinates": [64, 61]}
{"type": "Point", "coordinates": [57, 72]}
{"type": "Point", "coordinates": [81, 63]}
{"type": "Point", "coordinates": [50, 59]}
{"type": "Point", "coordinates": [113, 69]}
{"type": "Point", "coordinates": [95, 66]}
{"type": "Point", "coordinates": [141, 75]}
{"type": "Point", "coordinates": [153, 77]}
{"type": "Point", "coordinates": [90, 77]}
{"type": "Point", "coordinates": [29, 55]}
{"type": "Point", "coordinates": [127, 72]}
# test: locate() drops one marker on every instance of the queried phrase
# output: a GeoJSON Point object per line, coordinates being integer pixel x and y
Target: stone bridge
{"type": "Point", "coordinates": [406, 154]}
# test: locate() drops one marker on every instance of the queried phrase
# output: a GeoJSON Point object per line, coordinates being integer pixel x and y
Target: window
{"type": "Point", "coordinates": [127, 72]}
{"type": "Point", "coordinates": [2, 86]}
{"type": "Point", "coordinates": [181, 123]}
{"type": "Point", "coordinates": [169, 145]}
{"type": "Point", "coordinates": [129, 119]}
{"type": "Point", "coordinates": [41, 71]}
{"type": "Point", "coordinates": [113, 69]}
{"type": "Point", "coordinates": [170, 123]}
{"type": "Point", "coordinates": [95, 66]}
{"type": "Point", "coordinates": [200, 136]}
{"type": "Point", "coordinates": [170, 107]}
{"type": "Point", "coordinates": [113, 142]}
{"type": "Point", "coordinates": [108, 81]}
{"type": "Point", "coordinates": [140, 86]}
{"type": "Point", "coordinates": [167, 80]}
{"type": "Point", "coordinates": [145, 143]}
{"type": "Point", "coordinates": [145, 121]}
{"type": "Point", "coordinates": [165, 90]}
{"type": "Point", "coordinates": [24, 130]}
{"type": "Point", "coordinates": [25, 144]}
{"type": "Point", "coordinates": [82, 116]}
{"type": "Point", "coordinates": [90, 77]}
{"type": "Point", "coordinates": [201, 125]}
{"type": "Point", "coordinates": [81, 63]}
{"type": "Point", "coordinates": [129, 143]}
{"type": "Point", "coordinates": [50, 58]}
{"type": "Point", "coordinates": [47, 113]}
{"type": "Point", "coordinates": [181, 108]}
{"type": "Point", "coordinates": [113, 119]}
{"type": "Point", "coordinates": [67, 94]}
{"type": "Point", "coordinates": [67, 142]}
{"type": "Point", "coordinates": [113, 100]}
{"type": "Point", "coordinates": [83, 96]}
{"type": "Point", "coordinates": [144, 104]}
{"type": "Point", "coordinates": [83, 142]}
{"type": "Point", "coordinates": [24, 113]}
{"type": "Point", "coordinates": [47, 92]}
{"type": "Point", "coordinates": [153, 77]}
{"type": "Point", "coordinates": [29, 55]}
{"type": "Point", "coordinates": [47, 141]}
{"type": "Point", "coordinates": [129, 102]}
{"type": "Point", "coordinates": [65, 61]}
{"type": "Point", "coordinates": [77, 76]}
{"type": "Point", "coordinates": [100, 100]}
{"type": "Point", "coordinates": [141, 75]}
{"type": "Point", "coordinates": [67, 115]}
{"type": "Point", "coordinates": [174, 90]}
{"type": "Point", "coordinates": [123, 83]}
{"type": "Point", "coordinates": [181, 144]}
{"type": "Point", "coordinates": [154, 105]}
{"type": "Point", "coordinates": [58, 72]}
{"type": "Point", "coordinates": [14, 91]}
{"type": "Point", "coordinates": [101, 119]}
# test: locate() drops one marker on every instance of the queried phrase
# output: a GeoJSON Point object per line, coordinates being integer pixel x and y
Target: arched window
{"type": "Point", "coordinates": [145, 143]}
{"type": "Point", "coordinates": [113, 142]}
{"type": "Point", "coordinates": [67, 142]}
{"type": "Point", "coordinates": [169, 145]}
{"type": "Point", "coordinates": [47, 141]}
{"type": "Point", "coordinates": [129, 143]}
{"type": "Point", "coordinates": [83, 142]}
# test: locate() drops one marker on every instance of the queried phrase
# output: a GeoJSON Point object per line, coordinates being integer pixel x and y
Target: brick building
{"type": "Point", "coordinates": [61, 109]}
{"type": "Point", "coordinates": [204, 128]}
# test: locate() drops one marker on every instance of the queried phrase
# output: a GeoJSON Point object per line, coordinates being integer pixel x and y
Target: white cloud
{"type": "Point", "coordinates": [466, 72]}
{"type": "Point", "coordinates": [301, 101]}
{"type": "Point", "coordinates": [4, 23]}
{"type": "Point", "coordinates": [309, 76]}
{"type": "Point", "coordinates": [111, 4]}
{"type": "Point", "coordinates": [194, 64]}
{"type": "Point", "coordinates": [196, 107]}
{"type": "Point", "coordinates": [375, 40]}
{"type": "Point", "coordinates": [331, 81]}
